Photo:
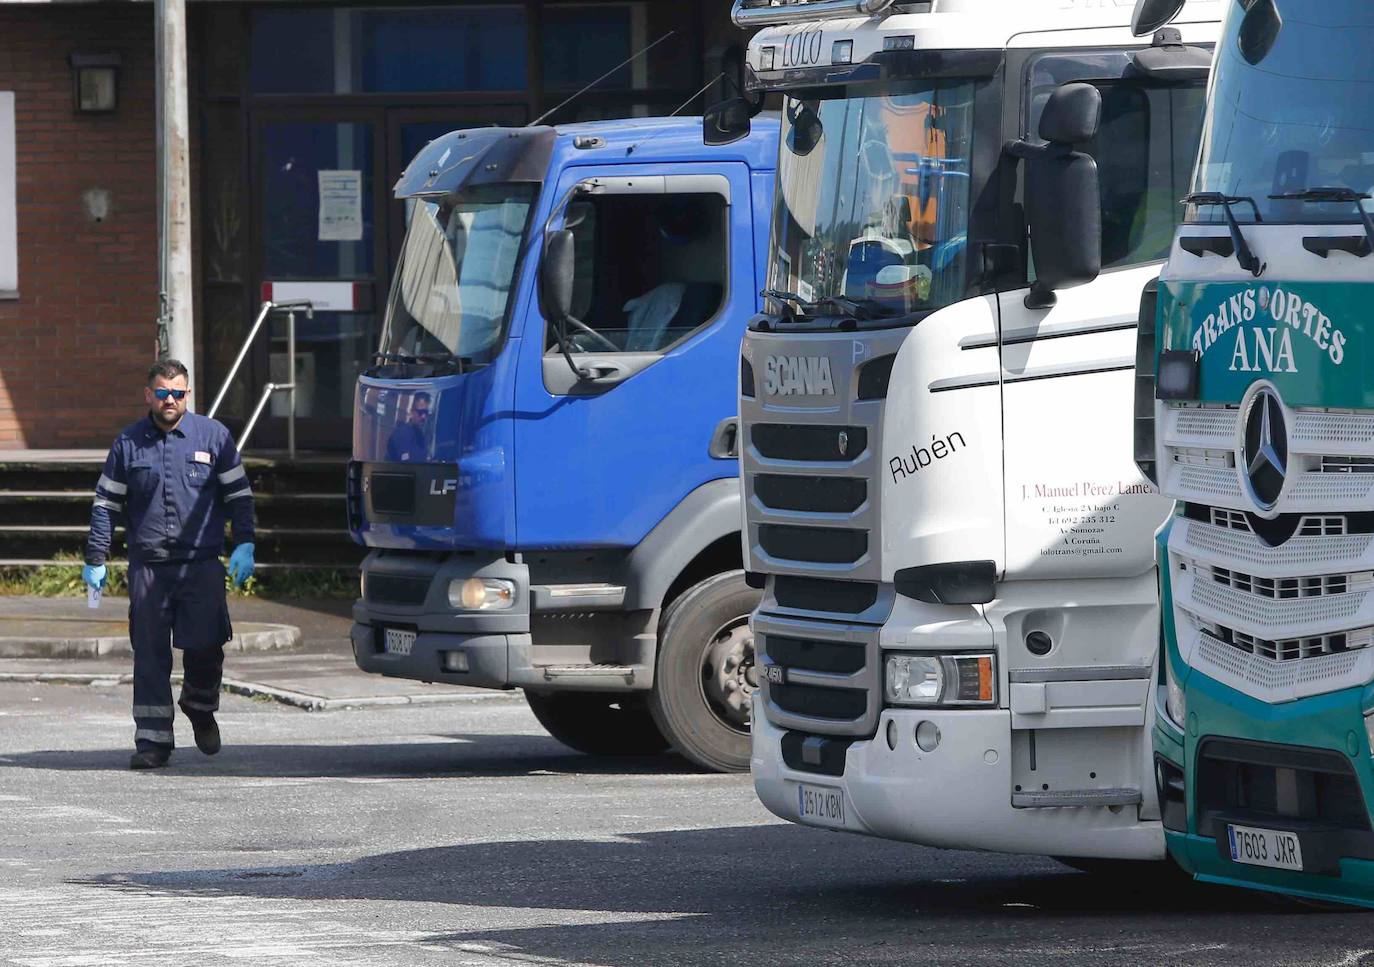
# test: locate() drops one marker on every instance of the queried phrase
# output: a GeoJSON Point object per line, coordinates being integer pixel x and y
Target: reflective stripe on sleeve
{"type": "Point", "coordinates": [229, 476]}
{"type": "Point", "coordinates": [153, 711]}
{"type": "Point", "coordinates": [245, 492]}
{"type": "Point", "coordinates": [113, 486]}
{"type": "Point", "coordinates": [109, 504]}
{"type": "Point", "coordinates": [160, 736]}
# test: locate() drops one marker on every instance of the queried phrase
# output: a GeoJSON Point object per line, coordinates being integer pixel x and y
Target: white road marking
{"type": "Point", "coordinates": [1351, 959]}
{"type": "Point", "coordinates": [227, 929]}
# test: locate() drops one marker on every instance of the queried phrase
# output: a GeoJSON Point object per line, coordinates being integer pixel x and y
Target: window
{"type": "Point", "coordinates": [651, 270]}
{"type": "Point", "coordinates": [583, 41]}
{"type": "Point", "coordinates": [329, 50]}
{"type": "Point", "coordinates": [1295, 118]}
{"type": "Point", "coordinates": [9, 230]}
{"type": "Point", "coordinates": [1145, 149]}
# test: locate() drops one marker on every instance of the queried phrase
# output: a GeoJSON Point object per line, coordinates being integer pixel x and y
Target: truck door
{"type": "Point", "coordinates": [1077, 507]}
{"type": "Point", "coordinates": [1076, 504]}
{"type": "Point", "coordinates": [665, 279]}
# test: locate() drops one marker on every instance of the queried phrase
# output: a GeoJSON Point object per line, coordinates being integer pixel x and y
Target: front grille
{"type": "Point", "coordinates": [835, 495]}
{"type": "Point", "coordinates": [780, 441]}
{"type": "Point", "coordinates": [821, 545]}
{"type": "Point", "coordinates": [1283, 783]}
{"type": "Point", "coordinates": [397, 589]}
{"type": "Point", "coordinates": [1308, 525]}
{"type": "Point", "coordinates": [818, 594]}
{"type": "Point", "coordinates": [816, 701]}
{"type": "Point", "coordinates": [1347, 464]}
{"type": "Point", "coordinates": [839, 657]}
{"type": "Point", "coordinates": [1290, 649]}
{"type": "Point", "coordinates": [1290, 588]}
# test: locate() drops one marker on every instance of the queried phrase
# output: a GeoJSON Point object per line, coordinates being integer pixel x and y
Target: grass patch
{"type": "Point", "coordinates": [62, 579]}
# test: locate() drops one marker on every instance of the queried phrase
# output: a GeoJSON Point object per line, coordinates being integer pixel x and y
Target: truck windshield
{"type": "Point", "coordinates": [1288, 112]}
{"type": "Point", "coordinates": [872, 201]}
{"type": "Point", "coordinates": [455, 274]}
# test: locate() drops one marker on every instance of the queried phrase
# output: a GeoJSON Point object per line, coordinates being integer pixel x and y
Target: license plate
{"type": "Point", "coordinates": [398, 641]}
{"type": "Point", "coordinates": [821, 805]}
{"type": "Point", "coordinates": [1265, 847]}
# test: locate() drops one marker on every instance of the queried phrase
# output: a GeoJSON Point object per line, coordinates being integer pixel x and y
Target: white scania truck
{"type": "Point", "coordinates": [958, 635]}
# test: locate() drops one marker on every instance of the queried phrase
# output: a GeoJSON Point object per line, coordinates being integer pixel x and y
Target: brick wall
{"type": "Point", "coordinates": [73, 347]}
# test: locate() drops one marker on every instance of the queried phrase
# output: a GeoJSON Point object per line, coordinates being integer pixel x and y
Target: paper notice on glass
{"type": "Point", "coordinates": [341, 206]}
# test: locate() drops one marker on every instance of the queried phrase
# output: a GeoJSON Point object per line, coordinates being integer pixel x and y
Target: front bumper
{"type": "Point", "coordinates": [1330, 725]}
{"type": "Point", "coordinates": [409, 592]}
{"type": "Point", "coordinates": [957, 797]}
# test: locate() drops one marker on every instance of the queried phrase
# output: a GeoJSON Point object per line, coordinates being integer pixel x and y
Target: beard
{"type": "Point", "coordinates": [163, 421]}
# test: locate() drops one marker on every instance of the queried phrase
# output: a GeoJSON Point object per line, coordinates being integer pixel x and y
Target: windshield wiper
{"type": "Point", "coordinates": [424, 359]}
{"type": "Point", "coordinates": [858, 308]}
{"type": "Point", "coordinates": [1335, 195]}
{"type": "Point", "coordinates": [1244, 255]}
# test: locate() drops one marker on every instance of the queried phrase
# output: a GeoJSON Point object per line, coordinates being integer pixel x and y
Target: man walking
{"type": "Point", "coordinates": [173, 476]}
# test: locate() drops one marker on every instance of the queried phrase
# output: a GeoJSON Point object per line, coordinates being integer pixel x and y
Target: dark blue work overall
{"type": "Point", "coordinates": [173, 491]}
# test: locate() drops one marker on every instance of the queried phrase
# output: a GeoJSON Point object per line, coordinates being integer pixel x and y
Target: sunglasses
{"type": "Point", "coordinates": [177, 394]}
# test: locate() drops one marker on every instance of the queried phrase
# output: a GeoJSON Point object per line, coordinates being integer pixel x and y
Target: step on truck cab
{"type": "Point", "coordinates": [959, 624]}
{"type": "Point", "coordinates": [544, 458]}
{"type": "Point", "coordinates": [1257, 417]}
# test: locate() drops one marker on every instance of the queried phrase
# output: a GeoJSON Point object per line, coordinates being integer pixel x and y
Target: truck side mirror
{"type": "Point", "coordinates": [1063, 207]}
{"type": "Point", "coordinates": [1150, 15]}
{"type": "Point", "coordinates": [727, 122]}
{"type": "Point", "coordinates": [1258, 30]}
{"type": "Point", "coordinates": [556, 272]}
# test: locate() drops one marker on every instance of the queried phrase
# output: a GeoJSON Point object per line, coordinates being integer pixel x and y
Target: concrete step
{"type": "Point", "coordinates": [64, 507]}
{"type": "Point", "coordinates": [288, 545]}
{"type": "Point", "coordinates": [45, 503]}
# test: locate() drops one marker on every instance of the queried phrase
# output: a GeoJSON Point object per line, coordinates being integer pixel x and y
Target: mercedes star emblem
{"type": "Point", "coordinates": [1265, 450]}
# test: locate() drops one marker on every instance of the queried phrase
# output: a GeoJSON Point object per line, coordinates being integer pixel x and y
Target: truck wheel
{"type": "Point", "coordinates": [598, 723]}
{"type": "Point", "coordinates": [706, 672]}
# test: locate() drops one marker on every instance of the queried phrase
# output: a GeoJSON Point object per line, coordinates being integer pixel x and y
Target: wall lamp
{"type": "Point", "coordinates": [95, 83]}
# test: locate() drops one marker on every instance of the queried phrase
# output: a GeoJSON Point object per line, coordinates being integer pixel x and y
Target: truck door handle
{"type": "Point", "coordinates": [725, 441]}
{"type": "Point", "coordinates": [600, 374]}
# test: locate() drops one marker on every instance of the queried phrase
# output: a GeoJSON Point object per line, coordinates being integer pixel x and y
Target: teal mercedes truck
{"type": "Point", "coordinates": [1255, 413]}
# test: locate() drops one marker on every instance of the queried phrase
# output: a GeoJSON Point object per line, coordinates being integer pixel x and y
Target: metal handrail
{"type": "Point", "coordinates": [290, 307]}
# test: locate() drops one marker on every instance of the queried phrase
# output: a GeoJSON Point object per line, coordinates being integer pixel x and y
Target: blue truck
{"type": "Point", "coordinates": [545, 459]}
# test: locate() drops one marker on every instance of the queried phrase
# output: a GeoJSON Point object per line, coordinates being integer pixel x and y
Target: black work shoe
{"type": "Point", "coordinates": [206, 730]}
{"type": "Point", "coordinates": [154, 758]}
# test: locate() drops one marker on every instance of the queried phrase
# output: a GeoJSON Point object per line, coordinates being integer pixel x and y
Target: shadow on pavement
{"type": "Point", "coordinates": [450, 755]}
{"type": "Point", "coordinates": [758, 894]}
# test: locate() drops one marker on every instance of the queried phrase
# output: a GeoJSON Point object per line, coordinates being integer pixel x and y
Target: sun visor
{"type": "Point", "coordinates": [477, 156]}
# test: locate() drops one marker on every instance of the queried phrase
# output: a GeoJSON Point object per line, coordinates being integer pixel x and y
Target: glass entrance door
{"type": "Point", "coordinates": [328, 230]}
{"type": "Point", "coordinates": [320, 239]}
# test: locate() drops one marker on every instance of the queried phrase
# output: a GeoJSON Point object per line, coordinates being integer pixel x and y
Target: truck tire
{"type": "Point", "coordinates": [706, 672]}
{"type": "Point", "coordinates": [598, 723]}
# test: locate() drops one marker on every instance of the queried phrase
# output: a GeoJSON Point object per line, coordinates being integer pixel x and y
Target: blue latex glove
{"type": "Point", "coordinates": [241, 566]}
{"type": "Point", "coordinates": [94, 575]}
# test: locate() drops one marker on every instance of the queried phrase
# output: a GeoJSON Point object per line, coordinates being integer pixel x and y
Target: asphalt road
{"type": "Point", "coordinates": [461, 834]}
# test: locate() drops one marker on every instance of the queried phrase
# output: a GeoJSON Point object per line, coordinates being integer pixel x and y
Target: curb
{"type": "Point", "coordinates": [301, 700]}
{"type": "Point", "coordinates": [264, 637]}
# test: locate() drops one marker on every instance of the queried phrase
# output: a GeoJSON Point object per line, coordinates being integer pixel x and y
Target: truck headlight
{"type": "Point", "coordinates": [481, 594]}
{"type": "Point", "coordinates": [926, 680]}
{"type": "Point", "coordinates": [1175, 702]}
{"type": "Point", "coordinates": [1369, 730]}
